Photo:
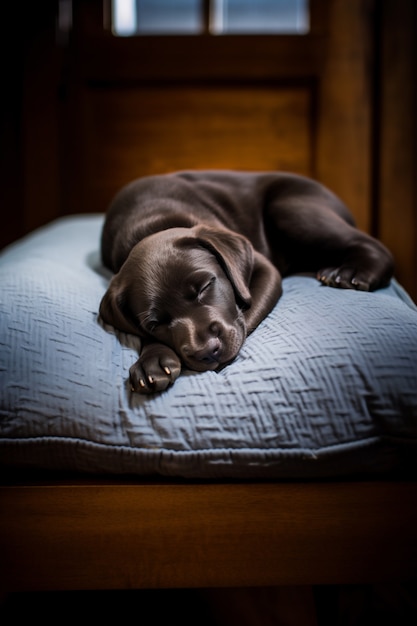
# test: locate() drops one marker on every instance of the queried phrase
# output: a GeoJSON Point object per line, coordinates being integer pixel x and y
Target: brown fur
{"type": "Point", "coordinates": [198, 259]}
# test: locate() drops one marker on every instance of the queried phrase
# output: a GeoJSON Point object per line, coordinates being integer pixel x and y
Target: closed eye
{"type": "Point", "coordinates": [205, 288]}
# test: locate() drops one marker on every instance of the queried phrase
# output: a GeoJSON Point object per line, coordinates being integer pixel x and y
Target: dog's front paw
{"type": "Point", "coordinates": [366, 266]}
{"type": "Point", "coordinates": [347, 277]}
{"type": "Point", "coordinates": [157, 368]}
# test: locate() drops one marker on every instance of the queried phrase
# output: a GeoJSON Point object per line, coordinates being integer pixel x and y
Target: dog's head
{"type": "Point", "coordinates": [186, 288]}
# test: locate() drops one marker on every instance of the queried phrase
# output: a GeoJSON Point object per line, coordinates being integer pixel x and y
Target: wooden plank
{"type": "Point", "coordinates": [121, 536]}
{"type": "Point", "coordinates": [109, 59]}
{"type": "Point", "coordinates": [135, 131]}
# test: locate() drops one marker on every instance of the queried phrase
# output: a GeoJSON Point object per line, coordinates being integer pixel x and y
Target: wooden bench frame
{"type": "Point", "coordinates": [110, 534]}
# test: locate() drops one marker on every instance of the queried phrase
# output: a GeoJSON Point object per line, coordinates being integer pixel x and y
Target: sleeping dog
{"type": "Point", "coordinates": [198, 259]}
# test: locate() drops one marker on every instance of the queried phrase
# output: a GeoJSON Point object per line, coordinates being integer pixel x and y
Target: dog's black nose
{"type": "Point", "coordinates": [211, 351]}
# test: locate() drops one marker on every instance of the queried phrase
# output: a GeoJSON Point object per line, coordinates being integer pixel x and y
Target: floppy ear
{"type": "Point", "coordinates": [114, 308]}
{"type": "Point", "coordinates": [235, 255]}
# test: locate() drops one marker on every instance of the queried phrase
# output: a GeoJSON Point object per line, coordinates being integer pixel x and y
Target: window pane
{"type": "Point", "coordinates": [157, 17]}
{"type": "Point", "coordinates": [185, 17]}
{"type": "Point", "coordinates": [260, 16]}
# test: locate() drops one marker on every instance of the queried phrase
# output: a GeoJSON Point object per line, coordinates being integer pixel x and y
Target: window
{"type": "Point", "coordinates": [259, 17]}
{"type": "Point", "coordinates": [156, 17]}
{"type": "Point", "coordinates": [189, 17]}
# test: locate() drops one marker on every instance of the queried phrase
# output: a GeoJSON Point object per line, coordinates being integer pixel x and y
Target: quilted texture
{"type": "Point", "coordinates": [325, 387]}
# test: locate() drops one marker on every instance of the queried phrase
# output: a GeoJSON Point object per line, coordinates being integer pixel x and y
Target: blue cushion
{"type": "Point", "coordinates": [325, 387]}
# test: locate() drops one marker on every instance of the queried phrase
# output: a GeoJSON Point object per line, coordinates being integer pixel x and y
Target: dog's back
{"type": "Point", "coordinates": [238, 201]}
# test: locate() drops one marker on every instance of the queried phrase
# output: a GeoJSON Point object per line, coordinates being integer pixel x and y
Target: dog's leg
{"type": "Point", "coordinates": [313, 234]}
{"type": "Point", "coordinates": [157, 367]}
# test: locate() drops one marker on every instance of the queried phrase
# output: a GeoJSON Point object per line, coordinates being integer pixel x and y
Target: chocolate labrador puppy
{"type": "Point", "coordinates": [198, 259]}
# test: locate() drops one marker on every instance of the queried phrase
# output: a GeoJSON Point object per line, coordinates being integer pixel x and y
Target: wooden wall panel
{"type": "Point", "coordinates": [397, 138]}
{"type": "Point", "coordinates": [345, 125]}
{"type": "Point", "coordinates": [133, 132]}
